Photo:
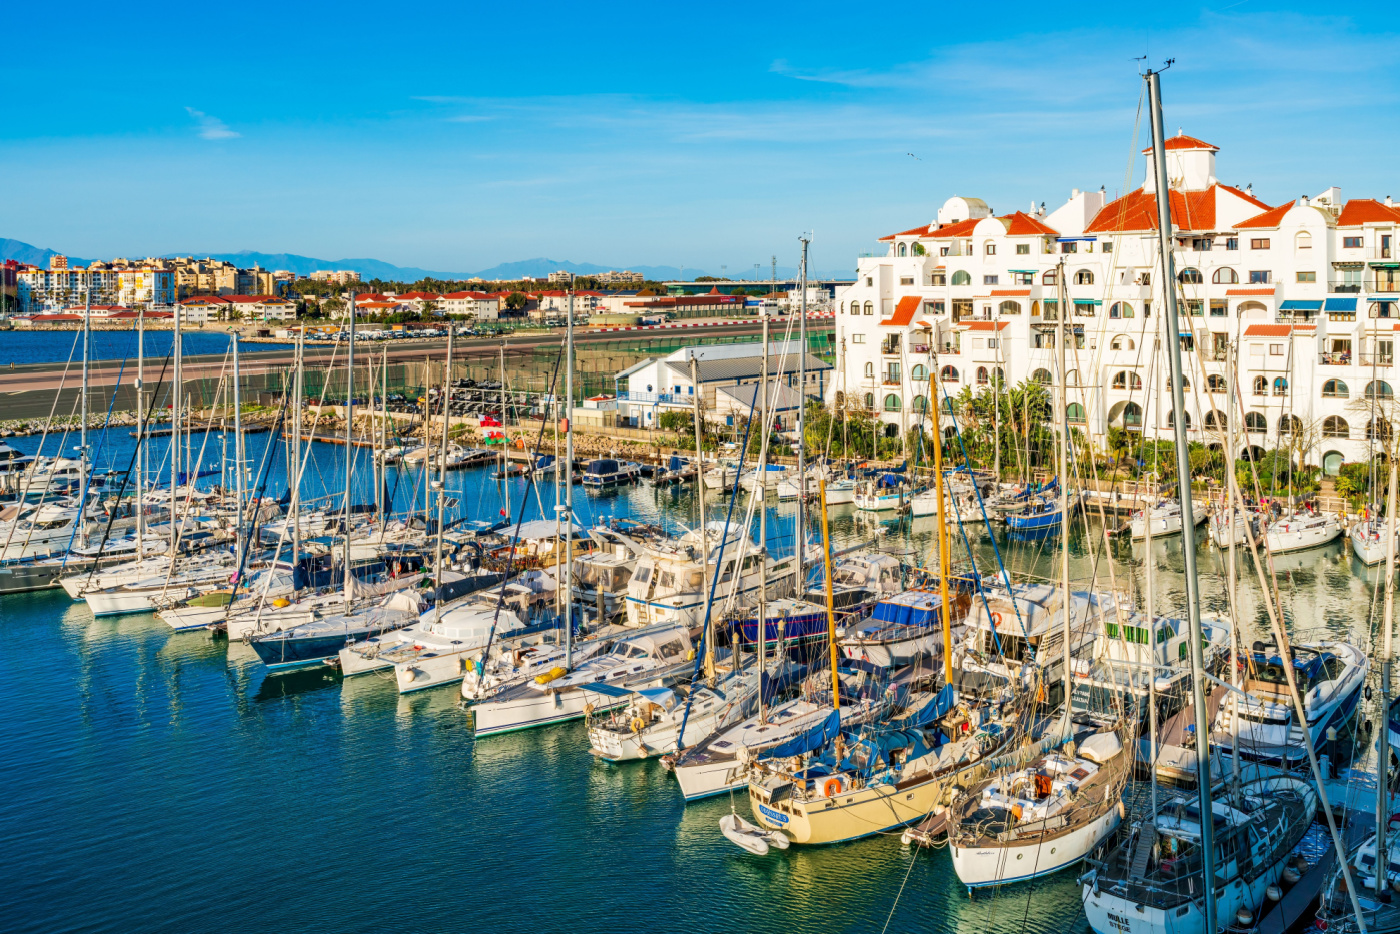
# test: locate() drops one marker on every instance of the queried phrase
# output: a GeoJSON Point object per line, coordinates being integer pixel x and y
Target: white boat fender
{"type": "Point", "coordinates": [1273, 893]}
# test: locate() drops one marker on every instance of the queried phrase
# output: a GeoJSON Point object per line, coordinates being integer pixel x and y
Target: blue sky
{"type": "Point", "coordinates": [459, 136]}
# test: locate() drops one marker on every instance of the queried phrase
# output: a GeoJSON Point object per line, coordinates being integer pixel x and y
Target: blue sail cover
{"type": "Point", "coordinates": [929, 712]}
{"type": "Point", "coordinates": [813, 739]}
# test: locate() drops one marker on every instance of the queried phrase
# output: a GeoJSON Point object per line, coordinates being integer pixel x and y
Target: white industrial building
{"type": "Point", "coordinates": [1305, 291]}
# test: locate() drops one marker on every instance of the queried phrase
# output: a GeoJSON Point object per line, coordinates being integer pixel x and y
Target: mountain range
{"type": "Point", "coordinates": [369, 268]}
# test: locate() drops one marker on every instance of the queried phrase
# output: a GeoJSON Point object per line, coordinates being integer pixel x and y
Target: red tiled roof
{"type": "Point", "coordinates": [1270, 218]}
{"type": "Point", "coordinates": [1249, 291]}
{"type": "Point", "coordinates": [960, 229]}
{"type": "Point", "coordinates": [1011, 292]}
{"type": "Point", "coordinates": [1182, 141]}
{"type": "Point", "coordinates": [1137, 210]}
{"type": "Point", "coordinates": [206, 300]}
{"type": "Point", "coordinates": [904, 311]}
{"type": "Point", "coordinates": [1244, 195]}
{"type": "Point", "coordinates": [475, 295]}
{"type": "Point", "coordinates": [912, 232]}
{"type": "Point", "coordinates": [985, 325]}
{"type": "Point", "coordinates": [1360, 211]}
{"type": "Point", "coordinates": [1268, 330]}
{"type": "Point", "coordinates": [424, 296]}
{"type": "Point", "coordinates": [258, 299]}
{"type": "Point", "coordinates": [1021, 224]}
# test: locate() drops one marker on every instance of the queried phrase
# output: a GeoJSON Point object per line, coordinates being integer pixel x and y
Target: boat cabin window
{"type": "Point", "coordinates": [696, 578]}
{"type": "Point", "coordinates": [643, 573]}
{"type": "Point", "coordinates": [671, 649]}
{"type": "Point", "coordinates": [667, 579]}
{"type": "Point", "coordinates": [728, 572]}
{"type": "Point", "coordinates": [1013, 648]}
{"type": "Point", "coordinates": [750, 562]}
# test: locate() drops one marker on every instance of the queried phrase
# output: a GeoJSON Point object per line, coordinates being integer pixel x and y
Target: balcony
{"type": "Point", "coordinates": [1377, 359]}
{"type": "Point", "coordinates": [1217, 356]}
{"type": "Point", "coordinates": [889, 347]}
{"type": "Point", "coordinates": [1343, 286]}
{"type": "Point", "coordinates": [1336, 358]}
{"type": "Point", "coordinates": [1379, 252]}
{"type": "Point", "coordinates": [918, 348]}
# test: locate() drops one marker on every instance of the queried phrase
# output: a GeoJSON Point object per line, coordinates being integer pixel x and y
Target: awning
{"type": "Point", "coordinates": [1341, 304]}
{"type": "Point", "coordinates": [1088, 301]}
{"type": "Point", "coordinates": [1382, 265]}
{"type": "Point", "coordinates": [1297, 304]}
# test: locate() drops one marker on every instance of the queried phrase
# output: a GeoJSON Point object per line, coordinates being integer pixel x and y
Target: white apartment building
{"type": "Point", "coordinates": [61, 286]}
{"type": "Point", "coordinates": [485, 307]}
{"type": "Point", "coordinates": [1307, 293]}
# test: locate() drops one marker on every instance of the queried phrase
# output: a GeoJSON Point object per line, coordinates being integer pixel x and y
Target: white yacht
{"type": "Point", "coordinates": [192, 576]}
{"type": "Point", "coordinates": [1223, 530]}
{"type": "Point", "coordinates": [1165, 517]}
{"type": "Point", "coordinates": [1300, 531]}
{"type": "Point", "coordinates": [657, 656]}
{"type": "Point", "coordinates": [432, 651]}
{"type": "Point", "coordinates": [650, 724]}
{"type": "Point", "coordinates": [774, 474]}
{"type": "Point", "coordinates": [668, 583]}
{"type": "Point", "coordinates": [1368, 540]}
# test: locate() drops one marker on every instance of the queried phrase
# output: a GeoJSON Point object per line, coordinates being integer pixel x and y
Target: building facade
{"type": "Point", "coordinates": [1304, 295]}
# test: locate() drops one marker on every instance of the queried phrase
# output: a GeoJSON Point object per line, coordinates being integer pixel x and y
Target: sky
{"type": "Point", "coordinates": [458, 136]}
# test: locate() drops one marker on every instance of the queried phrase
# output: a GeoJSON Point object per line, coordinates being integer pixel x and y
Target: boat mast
{"type": "Point", "coordinates": [83, 465]}
{"type": "Point", "coordinates": [704, 550]}
{"type": "Point", "coordinates": [237, 455]}
{"type": "Point", "coordinates": [945, 610]}
{"type": "Point", "coordinates": [1388, 620]}
{"type": "Point", "coordinates": [441, 484]}
{"type": "Point", "coordinates": [349, 440]}
{"type": "Point", "coordinates": [1231, 572]}
{"type": "Point", "coordinates": [505, 463]}
{"type": "Point", "coordinates": [830, 599]}
{"type": "Point", "coordinates": [761, 396]}
{"type": "Point", "coordinates": [801, 422]}
{"type": "Point", "coordinates": [140, 428]}
{"type": "Point", "coordinates": [294, 510]}
{"type": "Point", "coordinates": [1062, 468]}
{"type": "Point", "coordinates": [383, 480]}
{"type": "Point", "coordinates": [175, 403]}
{"type": "Point", "coordinates": [568, 582]}
{"type": "Point", "coordinates": [1183, 479]}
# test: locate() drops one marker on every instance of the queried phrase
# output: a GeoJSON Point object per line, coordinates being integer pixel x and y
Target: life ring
{"type": "Point", "coordinates": [996, 619]}
{"type": "Point", "coordinates": [638, 724]}
{"type": "Point", "coordinates": [833, 787]}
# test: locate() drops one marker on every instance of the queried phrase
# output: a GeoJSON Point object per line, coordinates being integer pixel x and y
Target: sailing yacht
{"type": "Point", "coordinates": [1041, 818]}
{"type": "Point", "coordinates": [1300, 531]}
{"type": "Point", "coordinates": [657, 656]}
{"type": "Point", "coordinates": [1149, 881]}
{"type": "Point", "coordinates": [1368, 540]}
{"type": "Point", "coordinates": [1166, 519]}
{"type": "Point", "coordinates": [319, 640]}
{"type": "Point", "coordinates": [1329, 675]}
{"type": "Point", "coordinates": [1231, 526]}
{"type": "Point", "coordinates": [435, 650]}
{"type": "Point", "coordinates": [904, 629]}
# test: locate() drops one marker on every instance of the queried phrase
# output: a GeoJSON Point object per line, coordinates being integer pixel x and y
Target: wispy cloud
{"type": "Point", "coordinates": [210, 127]}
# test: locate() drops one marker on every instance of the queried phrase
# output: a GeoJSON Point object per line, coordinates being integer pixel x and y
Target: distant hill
{"type": "Point", "coordinates": [539, 267]}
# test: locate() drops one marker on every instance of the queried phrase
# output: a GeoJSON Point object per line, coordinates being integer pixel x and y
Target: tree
{"type": "Point", "coordinates": [516, 301]}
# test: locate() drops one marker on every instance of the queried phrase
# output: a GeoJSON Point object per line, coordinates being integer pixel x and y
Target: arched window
{"type": "Point", "coordinates": [1185, 383]}
{"type": "Point", "coordinates": [1124, 379]}
{"type": "Point", "coordinates": [843, 308]}
{"type": "Point", "coordinates": [1042, 375]}
{"type": "Point", "coordinates": [1120, 310]}
{"type": "Point", "coordinates": [1215, 383]}
{"type": "Point", "coordinates": [1074, 413]}
{"type": "Point", "coordinates": [1190, 276]}
{"type": "Point", "coordinates": [903, 249]}
{"type": "Point", "coordinates": [1280, 386]}
{"type": "Point", "coordinates": [1303, 241]}
{"type": "Point", "coordinates": [1083, 277]}
{"type": "Point", "coordinates": [1000, 376]}
{"type": "Point", "coordinates": [1255, 422]}
{"type": "Point", "coordinates": [1171, 420]}
{"type": "Point", "coordinates": [1253, 308]}
{"type": "Point", "coordinates": [1261, 386]}
{"type": "Point", "coordinates": [1378, 429]}
{"type": "Point", "coordinates": [870, 401]}
{"type": "Point", "coordinates": [870, 371]}
{"type": "Point", "coordinates": [1009, 307]}
{"type": "Point", "coordinates": [870, 308]}
{"type": "Point", "coordinates": [949, 374]}
{"type": "Point", "coordinates": [1072, 378]}
{"type": "Point", "coordinates": [1225, 276]}
{"type": "Point", "coordinates": [1215, 419]}
{"type": "Point", "coordinates": [919, 373]}
{"type": "Point", "coordinates": [1051, 277]}
{"type": "Point", "coordinates": [1122, 342]}
{"type": "Point", "coordinates": [1335, 389]}
{"type": "Point", "coordinates": [1378, 389]}
{"type": "Point", "coordinates": [983, 378]}
{"type": "Point", "coordinates": [1289, 425]}
{"type": "Point", "coordinates": [921, 405]}
{"type": "Point", "coordinates": [961, 277]}
{"type": "Point", "coordinates": [1132, 415]}
{"type": "Point", "coordinates": [891, 403]}
{"type": "Point", "coordinates": [1334, 426]}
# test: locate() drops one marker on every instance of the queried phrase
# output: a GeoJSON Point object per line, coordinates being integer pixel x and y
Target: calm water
{"type": "Point", "coordinates": [56, 346]}
{"type": "Point", "coordinates": [164, 782]}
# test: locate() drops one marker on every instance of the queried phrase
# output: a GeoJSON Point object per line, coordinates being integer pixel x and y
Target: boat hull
{"type": "Point", "coordinates": [982, 866]}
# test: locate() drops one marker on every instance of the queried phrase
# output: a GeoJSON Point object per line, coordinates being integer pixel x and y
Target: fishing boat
{"type": "Point", "coordinates": [1166, 519]}
{"type": "Point", "coordinates": [1041, 818]}
{"type": "Point", "coordinates": [1329, 675]}
{"type": "Point", "coordinates": [1301, 531]}
{"type": "Point", "coordinates": [1149, 880]}
{"type": "Point", "coordinates": [657, 656]}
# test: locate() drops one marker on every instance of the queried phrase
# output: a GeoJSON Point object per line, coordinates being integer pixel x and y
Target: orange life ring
{"type": "Point", "coordinates": [996, 620]}
{"type": "Point", "coordinates": [833, 787]}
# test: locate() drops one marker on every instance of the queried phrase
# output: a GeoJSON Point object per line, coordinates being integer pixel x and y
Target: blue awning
{"type": "Point", "coordinates": [1341, 304]}
{"type": "Point", "coordinates": [1295, 304]}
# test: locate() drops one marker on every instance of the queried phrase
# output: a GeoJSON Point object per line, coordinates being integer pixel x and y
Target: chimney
{"type": "Point", "coordinates": [1042, 209]}
{"type": "Point", "coordinates": [1388, 202]}
{"type": "Point", "coordinates": [1073, 193]}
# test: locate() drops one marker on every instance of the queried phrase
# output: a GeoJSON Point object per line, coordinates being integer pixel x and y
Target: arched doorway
{"type": "Point", "coordinates": [1332, 463]}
